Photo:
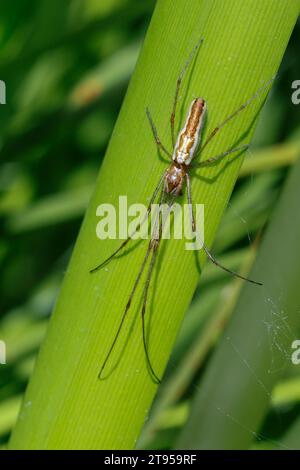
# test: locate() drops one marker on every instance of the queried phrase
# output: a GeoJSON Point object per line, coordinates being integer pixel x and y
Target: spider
{"type": "Point", "coordinates": [170, 185]}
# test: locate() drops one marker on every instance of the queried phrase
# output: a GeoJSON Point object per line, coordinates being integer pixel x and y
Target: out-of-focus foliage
{"type": "Point", "coordinates": [66, 66]}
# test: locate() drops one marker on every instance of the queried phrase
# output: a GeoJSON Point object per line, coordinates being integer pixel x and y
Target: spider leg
{"type": "Point", "coordinates": [217, 263]}
{"type": "Point", "coordinates": [235, 113]}
{"type": "Point", "coordinates": [125, 242]}
{"type": "Point", "coordinates": [178, 84]}
{"type": "Point", "coordinates": [155, 135]}
{"type": "Point", "coordinates": [146, 291]}
{"type": "Point", "coordinates": [212, 160]}
{"type": "Point", "coordinates": [155, 246]}
{"type": "Point", "coordinates": [136, 283]}
{"type": "Point", "coordinates": [207, 251]}
{"type": "Point", "coordinates": [189, 195]}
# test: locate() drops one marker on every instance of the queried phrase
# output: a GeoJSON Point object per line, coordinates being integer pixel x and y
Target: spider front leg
{"type": "Point", "coordinates": [159, 144]}
{"type": "Point", "coordinates": [236, 112]}
{"type": "Point", "coordinates": [178, 85]}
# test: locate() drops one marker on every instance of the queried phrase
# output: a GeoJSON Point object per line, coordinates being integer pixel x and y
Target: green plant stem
{"type": "Point", "coordinates": [270, 158]}
{"type": "Point", "coordinates": [66, 406]}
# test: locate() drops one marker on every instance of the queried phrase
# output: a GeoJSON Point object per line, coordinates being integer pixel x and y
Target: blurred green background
{"type": "Point", "coordinates": [66, 65]}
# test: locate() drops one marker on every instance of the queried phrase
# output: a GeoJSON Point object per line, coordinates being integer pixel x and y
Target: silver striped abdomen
{"type": "Point", "coordinates": [189, 137]}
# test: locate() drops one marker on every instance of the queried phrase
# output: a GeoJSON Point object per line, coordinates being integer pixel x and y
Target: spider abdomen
{"type": "Point", "coordinates": [190, 135]}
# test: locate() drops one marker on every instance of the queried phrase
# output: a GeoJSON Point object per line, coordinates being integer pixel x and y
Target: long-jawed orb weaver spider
{"type": "Point", "coordinates": [171, 185]}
